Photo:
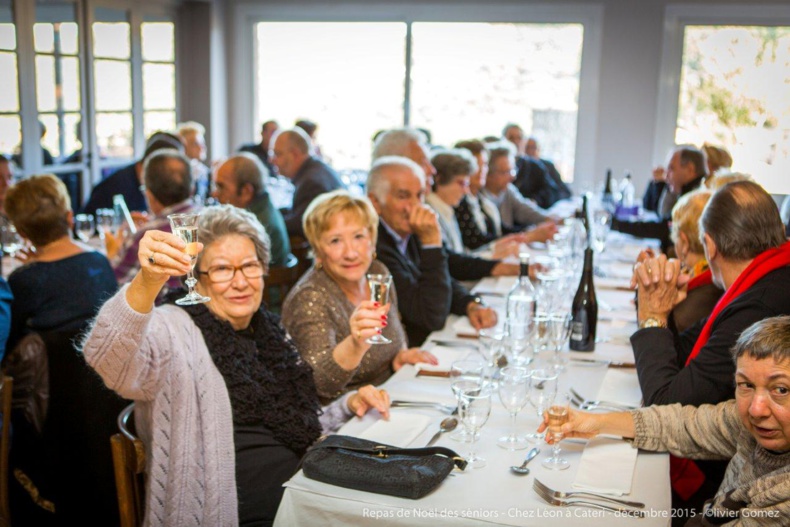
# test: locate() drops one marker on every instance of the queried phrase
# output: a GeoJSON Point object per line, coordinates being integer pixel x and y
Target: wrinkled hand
{"type": "Point", "coordinates": [167, 252]}
{"type": "Point", "coordinates": [660, 286]}
{"type": "Point", "coordinates": [580, 424]}
{"type": "Point", "coordinates": [542, 232]}
{"type": "Point", "coordinates": [425, 225]}
{"type": "Point", "coordinates": [367, 320]}
{"type": "Point", "coordinates": [644, 254]}
{"type": "Point", "coordinates": [480, 316]}
{"type": "Point", "coordinates": [413, 356]}
{"type": "Point", "coordinates": [367, 398]}
{"type": "Point", "coordinates": [26, 255]}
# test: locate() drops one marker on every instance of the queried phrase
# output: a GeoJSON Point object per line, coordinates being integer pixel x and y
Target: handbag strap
{"type": "Point", "coordinates": [384, 451]}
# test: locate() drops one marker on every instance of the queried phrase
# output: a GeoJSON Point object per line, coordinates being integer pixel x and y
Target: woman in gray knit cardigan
{"type": "Point", "coordinates": [753, 431]}
{"type": "Point", "coordinates": [224, 402]}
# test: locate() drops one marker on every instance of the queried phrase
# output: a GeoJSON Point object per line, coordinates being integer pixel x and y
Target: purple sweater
{"type": "Point", "coordinates": [182, 412]}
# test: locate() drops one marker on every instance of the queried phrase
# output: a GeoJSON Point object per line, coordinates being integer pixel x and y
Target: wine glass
{"type": "Point", "coordinates": [491, 342]}
{"type": "Point", "coordinates": [559, 333]}
{"type": "Point", "coordinates": [10, 239]}
{"type": "Point", "coordinates": [185, 226]}
{"type": "Point", "coordinates": [84, 226]}
{"type": "Point", "coordinates": [558, 413]}
{"type": "Point", "coordinates": [105, 221]}
{"type": "Point", "coordinates": [540, 335]}
{"type": "Point", "coordinates": [513, 392]}
{"type": "Point", "coordinates": [474, 408]}
{"type": "Point", "coordinates": [602, 223]}
{"type": "Point", "coordinates": [515, 342]}
{"type": "Point", "coordinates": [379, 292]}
{"type": "Point", "coordinates": [542, 389]}
{"type": "Point", "coordinates": [466, 375]}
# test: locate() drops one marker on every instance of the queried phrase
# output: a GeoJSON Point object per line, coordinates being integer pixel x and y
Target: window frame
{"type": "Point", "coordinates": [247, 16]}
{"type": "Point", "coordinates": [676, 19]}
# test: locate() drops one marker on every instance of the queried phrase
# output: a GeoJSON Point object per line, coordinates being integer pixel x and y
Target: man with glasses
{"type": "Point", "coordinates": [516, 212]}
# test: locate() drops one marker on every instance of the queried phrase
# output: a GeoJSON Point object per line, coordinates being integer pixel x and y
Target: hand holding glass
{"type": "Point", "coordinates": [558, 414]}
{"type": "Point", "coordinates": [379, 292]}
{"type": "Point", "coordinates": [185, 226]}
{"type": "Point", "coordinates": [542, 389]}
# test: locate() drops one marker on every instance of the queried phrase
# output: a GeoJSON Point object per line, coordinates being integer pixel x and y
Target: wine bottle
{"type": "Point", "coordinates": [521, 297]}
{"type": "Point", "coordinates": [584, 309]}
{"type": "Point", "coordinates": [608, 197]}
{"type": "Point", "coordinates": [585, 215]}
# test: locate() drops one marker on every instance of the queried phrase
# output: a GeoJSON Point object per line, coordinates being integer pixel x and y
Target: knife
{"type": "Point", "coordinates": [610, 363]}
{"type": "Point", "coordinates": [454, 344]}
{"type": "Point", "coordinates": [434, 373]}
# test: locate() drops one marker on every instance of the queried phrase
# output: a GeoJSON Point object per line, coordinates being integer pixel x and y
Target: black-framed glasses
{"type": "Point", "coordinates": [225, 273]}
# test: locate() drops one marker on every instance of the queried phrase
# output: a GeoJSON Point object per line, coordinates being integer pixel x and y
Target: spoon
{"type": "Point", "coordinates": [447, 425]}
{"type": "Point", "coordinates": [522, 469]}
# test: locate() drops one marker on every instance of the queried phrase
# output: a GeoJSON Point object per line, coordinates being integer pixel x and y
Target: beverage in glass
{"type": "Point", "coordinates": [379, 292]}
{"type": "Point", "coordinates": [474, 408]}
{"type": "Point", "coordinates": [558, 414]}
{"type": "Point", "coordinates": [185, 226]}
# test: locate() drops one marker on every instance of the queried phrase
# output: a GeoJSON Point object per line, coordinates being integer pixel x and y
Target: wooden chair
{"type": "Point", "coordinates": [283, 278]}
{"type": "Point", "coordinates": [5, 439]}
{"type": "Point", "coordinates": [128, 456]}
{"type": "Point", "coordinates": [303, 252]}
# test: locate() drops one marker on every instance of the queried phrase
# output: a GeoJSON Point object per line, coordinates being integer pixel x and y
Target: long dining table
{"type": "Point", "coordinates": [493, 494]}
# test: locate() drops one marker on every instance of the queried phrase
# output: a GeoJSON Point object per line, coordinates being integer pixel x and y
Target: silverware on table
{"type": "Point", "coordinates": [454, 344]}
{"type": "Point", "coordinates": [592, 495]}
{"type": "Point", "coordinates": [522, 469]}
{"type": "Point", "coordinates": [586, 404]}
{"type": "Point", "coordinates": [447, 425]}
{"type": "Point", "coordinates": [447, 408]}
{"type": "Point", "coordinates": [548, 498]}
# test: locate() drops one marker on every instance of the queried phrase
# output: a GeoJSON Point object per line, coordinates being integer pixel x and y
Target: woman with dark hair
{"type": "Point", "coordinates": [224, 403]}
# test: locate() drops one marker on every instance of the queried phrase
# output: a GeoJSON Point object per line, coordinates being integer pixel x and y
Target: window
{"type": "Point", "coordinates": [734, 88]}
{"type": "Point", "coordinates": [159, 76]}
{"type": "Point", "coordinates": [57, 66]}
{"type": "Point", "coordinates": [470, 79]}
{"type": "Point", "coordinates": [347, 77]}
{"type": "Point", "coordinates": [10, 125]}
{"type": "Point", "coordinates": [112, 72]}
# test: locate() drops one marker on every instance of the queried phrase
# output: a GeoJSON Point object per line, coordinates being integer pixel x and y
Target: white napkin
{"type": "Point", "coordinates": [495, 286]}
{"type": "Point", "coordinates": [446, 356]}
{"type": "Point", "coordinates": [463, 328]}
{"type": "Point", "coordinates": [620, 386]}
{"type": "Point", "coordinates": [400, 430]}
{"type": "Point", "coordinates": [607, 466]}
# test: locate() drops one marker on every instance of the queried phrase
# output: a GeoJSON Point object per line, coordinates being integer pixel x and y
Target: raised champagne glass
{"type": "Point", "coordinates": [379, 292]}
{"type": "Point", "coordinates": [185, 226]}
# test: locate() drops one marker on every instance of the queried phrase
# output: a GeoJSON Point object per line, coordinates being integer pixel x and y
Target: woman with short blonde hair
{"type": "Point", "coordinates": [329, 314]}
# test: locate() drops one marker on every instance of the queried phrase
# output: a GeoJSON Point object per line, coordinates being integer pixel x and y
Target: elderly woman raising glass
{"type": "Point", "coordinates": [752, 431]}
{"type": "Point", "coordinates": [224, 403]}
{"type": "Point", "coordinates": [329, 313]}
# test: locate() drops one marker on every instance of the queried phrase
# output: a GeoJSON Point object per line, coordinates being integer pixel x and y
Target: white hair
{"type": "Point", "coordinates": [396, 142]}
{"type": "Point", "coordinates": [378, 184]}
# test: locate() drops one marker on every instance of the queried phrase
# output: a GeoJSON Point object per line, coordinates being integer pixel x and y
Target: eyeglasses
{"type": "Point", "coordinates": [225, 273]}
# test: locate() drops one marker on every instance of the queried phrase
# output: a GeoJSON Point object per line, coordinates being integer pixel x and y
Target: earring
{"type": "Point", "coordinates": [375, 255]}
{"type": "Point", "coordinates": [318, 265]}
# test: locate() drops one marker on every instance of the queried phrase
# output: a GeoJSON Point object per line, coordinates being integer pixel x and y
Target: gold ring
{"type": "Point", "coordinates": [359, 335]}
{"type": "Point", "coordinates": [151, 258]}
{"type": "Point", "coordinates": [649, 270]}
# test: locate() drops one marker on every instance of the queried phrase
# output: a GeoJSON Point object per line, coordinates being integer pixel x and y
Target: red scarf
{"type": "Point", "coordinates": [686, 476]}
{"type": "Point", "coordinates": [700, 280]}
{"type": "Point", "coordinates": [764, 263]}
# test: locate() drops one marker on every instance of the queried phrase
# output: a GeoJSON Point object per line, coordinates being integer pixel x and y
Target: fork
{"type": "Point", "coordinates": [565, 495]}
{"type": "Point", "coordinates": [548, 498]}
{"type": "Point", "coordinates": [423, 404]}
{"type": "Point", "coordinates": [582, 402]}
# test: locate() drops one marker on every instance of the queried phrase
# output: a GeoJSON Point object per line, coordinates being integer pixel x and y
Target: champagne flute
{"type": "Point", "coordinates": [185, 226]}
{"type": "Point", "coordinates": [513, 392]}
{"type": "Point", "coordinates": [466, 375]}
{"type": "Point", "coordinates": [542, 389]}
{"type": "Point", "coordinates": [84, 226]}
{"type": "Point", "coordinates": [559, 333]}
{"type": "Point", "coordinates": [379, 292]}
{"type": "Point", "coordinates": [558, 413]}
{"type": "Point", "coordinates": [474, 408]}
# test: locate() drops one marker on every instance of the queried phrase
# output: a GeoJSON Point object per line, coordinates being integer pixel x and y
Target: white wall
{"type": "Point", "coordinates": [620, 125]}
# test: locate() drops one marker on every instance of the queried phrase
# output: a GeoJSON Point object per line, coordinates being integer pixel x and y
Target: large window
{"type": "Point", "coordinates": [159, 76]}
{"type": "Point", "coordinates": [734, 88]}
{"type": "Point", "coordinates": [10, 125]}
{"type": "Point", "coordinates": [347, 77]}
{"type": "Point", "coordinates": [466, 80]}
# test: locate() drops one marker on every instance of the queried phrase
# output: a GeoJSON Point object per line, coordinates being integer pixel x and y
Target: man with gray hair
{"type": "Point", "coordinates": [292, 154]}
{"type": "Point", "coordinates": [410, 245]}
{"type": "Point", "coordinates": [532, 178]}
{"type": "Point", "coordinates": [406, 142]}
{"type": "Point", "coordinates": [240, 182]}
{"type": "Point", "coordinates": [168, 188]}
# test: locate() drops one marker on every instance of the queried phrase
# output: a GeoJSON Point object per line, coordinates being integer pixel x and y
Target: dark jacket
{"type": "Point", "coordinates": [312, 179]}
{"type": "Point", "coordinates": [533, 182]}
{"type": "Point", "coordinates": [426, 292]}
{"type": "Point", "coordinates": [708, 379]}
{"type": "Point", "coordinates": [123, 182]}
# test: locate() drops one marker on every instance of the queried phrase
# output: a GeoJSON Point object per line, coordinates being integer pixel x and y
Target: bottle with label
{"type": "Point", "coordinates": [521, 298]}
{"type": "Point", "coordinates": [584, 311]}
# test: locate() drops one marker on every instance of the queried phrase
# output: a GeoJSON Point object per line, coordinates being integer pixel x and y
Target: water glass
{"type": "Point", "coordinates": [559, 333]}
{"type": "Point", "coordinates": [491, 346]}
{"type": "Point", "coordinates": [465, 375]}
{"type": "Point", "coordinates": [516, 342]}
{"type": "Point", "coordinates": [601, 225]}
{"type": "Point", "coordinates": [558, 413]}
{"type": "Point", "coordinates": [513, 392]}
{"type": "Point", "coordinates": [474, 408]}
{"type": "Point", "coordinates": [107, 222]}
{"type": "Point", "coordinates": [84, 226]}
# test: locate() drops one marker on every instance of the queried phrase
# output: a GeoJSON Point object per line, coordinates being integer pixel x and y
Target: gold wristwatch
{"type": "Point", "coordinates": [652, 322]}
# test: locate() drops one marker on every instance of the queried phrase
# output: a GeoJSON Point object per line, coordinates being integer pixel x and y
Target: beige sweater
{"type": "Point", "coordinates": [756, 486]}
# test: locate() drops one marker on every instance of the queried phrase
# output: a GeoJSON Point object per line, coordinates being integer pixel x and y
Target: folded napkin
{"type": "Point", "coordinates": [400, 430]}
{"type": "Point", "coordinates": [620, 386]}
{"type": "Point", "coordinates": [607, 466]}
{"type": "Point", "coordinates": [447, 355]}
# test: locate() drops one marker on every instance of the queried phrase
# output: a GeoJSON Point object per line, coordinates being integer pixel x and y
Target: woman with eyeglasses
{"type": "Point", "coordinates": [224, 403]}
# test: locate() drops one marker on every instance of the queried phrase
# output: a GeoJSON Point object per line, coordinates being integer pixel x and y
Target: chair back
{"type": "Point", "coordinates": [300, 248]}
{"type": "Point", "coordinates": [5, 438]}
{"type": "Point", "coordinates": [283, 278]}
{"type": "Point", "coordinates": [128, 456]}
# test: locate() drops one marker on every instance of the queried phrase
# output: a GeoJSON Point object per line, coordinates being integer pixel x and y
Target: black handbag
{"type": "Point", "coordinates": [360, 464]}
